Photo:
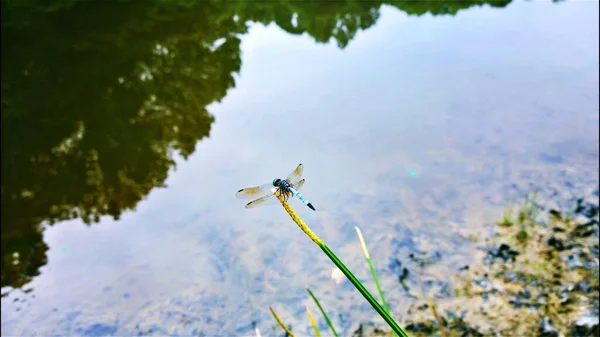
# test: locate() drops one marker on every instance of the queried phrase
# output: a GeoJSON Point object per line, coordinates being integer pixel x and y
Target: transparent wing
{"type": "Point", "coordinates": [299, 184]}
{"type": "Point", "coordinates": [296, 175]}
{"type": "Point", "coordinates": [255, 192]}
{"type": "Point", "coordinates": [266, 200]}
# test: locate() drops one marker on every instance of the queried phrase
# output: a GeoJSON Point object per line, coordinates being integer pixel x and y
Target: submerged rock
{"type": "Point", "coordinates": [585, 326]}
{"type": "Point", "coordinates": [503, 252]}
{"type": "Point", "coordinates": [547, 329]}
{"type": "Point", "coordinates": [369, 330]}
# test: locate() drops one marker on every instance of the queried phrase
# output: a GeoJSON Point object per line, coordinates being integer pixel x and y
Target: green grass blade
{"type": "Point", "coordinates": [289, 332]}
{"type": "Point", "coordinates": [357, 284]}
{"type": "Point", "coordinates": [374, 274]}
{"type": "Point", "coordinates": [372, 269]}
{"type": "Point", "coordinates": [322, 312]}
{"type": "Point", "coordinates": [361, 288]}
{"type": "Point", "coordinates": [312, 322]}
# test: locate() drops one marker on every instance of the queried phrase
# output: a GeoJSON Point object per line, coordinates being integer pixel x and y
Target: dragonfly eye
{"type": "Point", "coordinates": [276, 182]}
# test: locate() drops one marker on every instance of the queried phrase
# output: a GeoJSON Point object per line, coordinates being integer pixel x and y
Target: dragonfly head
{"type": "Point", "coordinates": [276, 182]}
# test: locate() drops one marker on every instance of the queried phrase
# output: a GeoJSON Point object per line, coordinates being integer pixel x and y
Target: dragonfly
{"type": "Point", "coordinates": [265, 194]}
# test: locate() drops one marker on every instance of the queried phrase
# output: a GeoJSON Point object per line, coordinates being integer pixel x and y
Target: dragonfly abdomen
{"type": "Point", "coordinates": [302, 198]}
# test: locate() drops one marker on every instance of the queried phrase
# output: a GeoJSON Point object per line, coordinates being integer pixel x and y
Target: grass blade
{"type": "Point", "coordinates": [353, 279]}
{"type": "Point", "coordinates": [372, 269]}
{"type": "Point", "coordinates": [361, 288]}
{"type": "Point", "coordinates": [438, 319]}
{"type": "Point", "coordinates": [288, 331]}
{"type": "Point", "coordinates": [313, 323]}
{"type": "Point", "coordinates": [322, 312]}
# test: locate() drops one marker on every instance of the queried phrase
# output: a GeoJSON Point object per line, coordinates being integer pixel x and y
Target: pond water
{"type": "Point", "coordinates": [419, 131]}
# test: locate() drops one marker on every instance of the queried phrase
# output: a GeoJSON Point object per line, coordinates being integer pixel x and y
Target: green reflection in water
{"type": "Point", "coordinates": [97, 97]}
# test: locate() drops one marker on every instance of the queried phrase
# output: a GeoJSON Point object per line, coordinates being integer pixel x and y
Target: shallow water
{"type": "Point", "coordinates": [418, 132]}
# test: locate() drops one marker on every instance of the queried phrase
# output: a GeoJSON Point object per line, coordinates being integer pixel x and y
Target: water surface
{"type": "Point", "coordinates": [417, 131]}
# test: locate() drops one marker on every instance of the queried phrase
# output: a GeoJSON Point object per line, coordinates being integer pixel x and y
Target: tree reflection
{"type": "Point", "coordinates": [97, 97]}
{"type": "Point", "coordinates": [437, 7]}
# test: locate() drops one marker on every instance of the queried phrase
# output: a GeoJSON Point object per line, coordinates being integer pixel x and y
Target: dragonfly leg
{"type": "Point", "coordinates": [283, 193]}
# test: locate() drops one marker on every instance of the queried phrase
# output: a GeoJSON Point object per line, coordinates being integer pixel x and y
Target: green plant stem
{"type": "Point", "coordinates": [371, 268]}
{"type": "Point", "coordinates": [281, 324]}
{"type": "Point", "coordinates": [304, 227]}
{"type": "Point", "coordinates": [322, 312]}
{"type": "Point", "coordinates": [313, 323]}
{"type": "Point", "coordinates": [379, 290]}
{"type": "Point", "coordinates": [358, 285]}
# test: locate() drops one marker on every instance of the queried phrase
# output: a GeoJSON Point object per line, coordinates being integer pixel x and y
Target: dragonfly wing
{"type": "Point", "coordinates": [266, 200]}
{"type": "Point", "coordinates": [299, 184]}
{"type": "Point", "coordinates": [256, 191]}
{"type": "Point", "coordinates": [296, 175]}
